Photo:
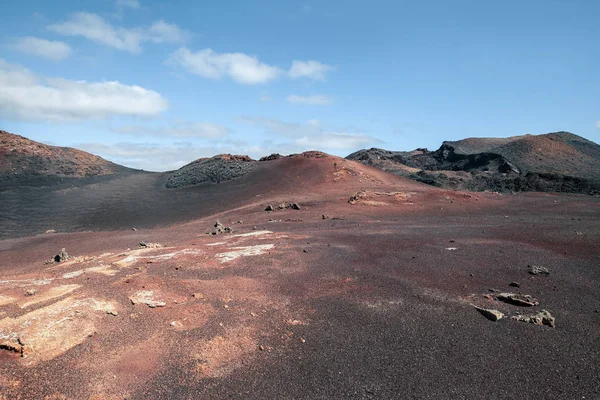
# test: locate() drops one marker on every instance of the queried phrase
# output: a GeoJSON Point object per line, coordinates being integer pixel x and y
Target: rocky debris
{"type": "Point", "coordinates": [492, 315]}
{"type": "Point", "coordinates": [146, 297]}
{"type": "Point", "coordinates": [284, 206]}
{"type": "Point", "coordinates": [324, 216]}
{"type": "Point", "coordinates": [221, 168]}
{"type": "Point", "coordinates": [522, 300]}
{"type": "Point", "coordinates": [144, 245]}
{"type": "Point", "coordinates": [537, 270]}
{"type": "Point", "coordinates": [219, 228]}
{"type": "Point", "coordinates": [357, 196]}
{"type": "Point", "coordinates": [514, 284]}
{"type": "Point", "coordinates": [542, 318]}
{"type": "Point", "coordinates": [61, 256]}
{"type": "Point", "coordinates": [273, 156]}
{"type": "Point", "coordinates": [31, 292]}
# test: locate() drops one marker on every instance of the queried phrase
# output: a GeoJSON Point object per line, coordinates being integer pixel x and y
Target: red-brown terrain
{"type": "Point", "coordinates": [23, 159]}
{"type": "Point", "coordinates": [367, 291]}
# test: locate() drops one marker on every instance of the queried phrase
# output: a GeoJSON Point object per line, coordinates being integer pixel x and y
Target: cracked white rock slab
{"type": "Point", "coordinates": [147, 297]}
{"type": "Point", "coordinates": [243, 252]}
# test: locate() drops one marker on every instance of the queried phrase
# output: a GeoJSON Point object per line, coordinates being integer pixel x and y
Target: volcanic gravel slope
{"type": "Point", "coordinates": [554, 162]}
{"type": "Point", "coordinates": [23, 160]}
{"type": "Point", "coordinates": [217, 169]}
{"type": "Point", "coordinates": [366, 292]}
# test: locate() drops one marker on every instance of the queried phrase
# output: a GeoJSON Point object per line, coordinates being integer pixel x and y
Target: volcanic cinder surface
{"type": "Point", "coordinates": [377, 287]}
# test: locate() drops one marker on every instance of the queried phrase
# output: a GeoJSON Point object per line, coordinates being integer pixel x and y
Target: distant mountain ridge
{"type": "Point", "coordinates": [558, 161]}
{"type": "Point", "coordinates": [25, 159]}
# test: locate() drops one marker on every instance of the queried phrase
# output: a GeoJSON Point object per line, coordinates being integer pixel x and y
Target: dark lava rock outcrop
{"type": "Point", "coordinates": [554, 162]}
{"type": "Point", "coordinates": [221, 168]}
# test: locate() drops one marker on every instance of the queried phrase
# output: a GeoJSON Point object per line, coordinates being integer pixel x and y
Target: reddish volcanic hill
{"type": "Point", "coordinates": [143, 199]}
{"type": "Point", "coordinates": [23, 159]}
{"type": "Point", "coordinates": [554, 162]}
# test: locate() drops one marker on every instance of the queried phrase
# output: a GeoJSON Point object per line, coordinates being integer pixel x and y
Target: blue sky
{"type": "Point", "coordinates": [157, 84]}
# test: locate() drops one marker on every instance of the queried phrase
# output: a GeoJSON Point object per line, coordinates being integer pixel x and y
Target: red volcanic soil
{"type": "Point", "coordinates": [368, 298]}
{"type": "Point", "coordinates": [21, 158]}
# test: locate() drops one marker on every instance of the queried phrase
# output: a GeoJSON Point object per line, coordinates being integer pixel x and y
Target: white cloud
{"type": "Point", "coordinates": [135, 4]}
{"type": "Point", "coordinates": [29, 97]}
{"type": "Point", "coordinates": [598, 124]}
{"type": "Point", "coordinates": [265, 98]}
{"type": "Point", "coordinates": [337, 140]}
{"type": "Point", "coordinates": [317, 100]}
{"type": "Point", "coordinates": [50, 49]}
{"type": "Point", "coordinates": [309, 69]}
{"type": "Point", "coordinates": [312, 134]}
{"type": "Point", "coordinates": [163, 32]}
{"type": "Point", "coordinates": [240, 67]}
{"type": "Point", "coordinates": [160, 157]}
{"type": "Point", "coordinates": [180, 129]}
{"type": "Point", "coordinates": [95, 28]}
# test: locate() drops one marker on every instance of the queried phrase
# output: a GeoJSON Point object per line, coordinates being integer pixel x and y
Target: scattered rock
{"type": "Point", "coordinates": [50, 231]}
{"type": "Point", "coordinates": [112, 312]}
{"type": "Point", "coordinates": [269, 208]}
{"type": "Point", "coordinates": [492, 315]}
{"type": "Point", "coordinates": [31, 292]}
{"type": "Point", "coordinates": [494, 290]}
{"type": "Point", "coordinates": [294, 206]}
{"type": "Point", "coordinates": [282, 206]}
{"type": "Point", "coordinates": [144, 245]}
{"type": "Point", "coordinates": [541, 318]}
{"type": "Point", "coordinates": [133, 229]}
{"type": "Point", "coordinates": [306, 250]}
{"type": "Point", "coordinates": [514, 284]}
{"type": "Point", "coordinates": [324, 216]}
{"type": "Point", "coordinates": [219, 228]}
{"type": "Point", "coordinates": [522, 300]}
{"type": "Point", "coordinates": [537, 270]}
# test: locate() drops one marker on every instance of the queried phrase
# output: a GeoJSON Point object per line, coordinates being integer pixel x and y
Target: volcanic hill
{"type": "Point", "coordinates": [23, 160]}
{"type": "Point", "coordinates": [553, 162]}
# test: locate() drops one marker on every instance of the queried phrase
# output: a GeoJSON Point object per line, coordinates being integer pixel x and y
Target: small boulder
{"type": "Point", "coordinates": [219, 228]}
{"type": "Point", "coordinates": [537, 270]}
{"type": "Point", "coordinates": [61, 256]}
{"type": "Point", "coordinates": [514, 284]}
{"type": "Point", "coordinates": [269, 208]}
{"type": "Point", "coordinates": [542, 318]}
{"type": "Point", "coordinates": [295, 206]}
{"type": "Point", "coordinates": [492, 315]}
{"type": "Point", "coordinates": [522, 300]}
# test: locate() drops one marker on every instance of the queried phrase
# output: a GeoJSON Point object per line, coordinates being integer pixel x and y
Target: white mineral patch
{"type": "Point", "coordinates": [244, 251]}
